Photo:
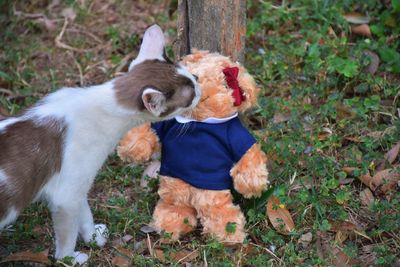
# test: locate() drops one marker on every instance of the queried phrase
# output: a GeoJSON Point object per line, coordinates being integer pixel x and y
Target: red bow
{"type": "Point", "coordinates": [231, 75]}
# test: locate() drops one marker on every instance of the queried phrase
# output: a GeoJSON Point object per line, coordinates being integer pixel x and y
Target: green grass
{"type": "Point", "coordinates": [312, 72]}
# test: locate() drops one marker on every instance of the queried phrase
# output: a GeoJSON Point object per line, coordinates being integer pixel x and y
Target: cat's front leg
{"type": "Point", "coordinates": [88, 230]}
{"type": "Point", "coordinates": [66, 224]}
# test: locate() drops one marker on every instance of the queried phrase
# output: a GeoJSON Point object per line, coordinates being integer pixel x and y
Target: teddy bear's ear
{"type": "Point", "coordinates": [195, 56]}
{"type": "Point", "coordinates": [249, 87]}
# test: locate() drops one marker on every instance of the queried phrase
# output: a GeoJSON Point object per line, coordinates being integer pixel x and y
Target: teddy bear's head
{"type": "Point", "coordinates": [227, 87]}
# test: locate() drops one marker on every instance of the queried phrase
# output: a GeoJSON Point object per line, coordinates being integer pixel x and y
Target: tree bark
{"type": "Point", "coordinates": [213, 25]}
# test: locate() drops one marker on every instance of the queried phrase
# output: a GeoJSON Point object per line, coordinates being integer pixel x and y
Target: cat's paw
{"type": "Point", "coordinates": [101, 234]}
{"type": "Point", "coordinates": [79, 257]}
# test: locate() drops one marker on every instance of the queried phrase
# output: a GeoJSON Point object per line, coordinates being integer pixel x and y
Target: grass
{"type": "Point", "coordinates": [323, 110]}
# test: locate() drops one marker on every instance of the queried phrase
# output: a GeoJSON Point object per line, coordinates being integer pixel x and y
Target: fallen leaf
{"type": "Point", "coordinates": [121, 261]}
{"type": "Point", "coordinates": [374, 64]}
{"type": "Point", "coordinates": [367, 255]}
{"type": "Point", "coordinates": [387, 178]}
{"type": "Point", "coordinates": [341, 236]}
{"type": "Point", "coordinates": [184, 255]}
{"type": "Point", "coordinates": [332, 253]}
{"type": "Point", "coordinates": [280, 117]}
{"type": "Point", "coordinates": [362, 30]}
{"type": "Point", "coordinates": [391, 155]}
{"type": "Point", "coordinates": [147, 229]}
{"type": "Point", "coordinates": [28, 256]}
{"type": "Point", "coordinates": [279, 216]}
{"type": "Point", "coordinates": [127, 238]}
{"type": "Point", "coordinates": [366, 197]}
{"type": "Point", "coordinates": [159, 254]}
{"type": "Point", "coordinates": [342, 226]}
{"type": "Point", "coordinates": [124, 251]}
{"type": "Point", "coordinates": [349, 170]}
{"type": "Point", "coordinates": [305, 240]}
{"type": "Point", "coordinates": [354, 139]}
{"type": "Point", "coordinates": [368, 181]}
{"type": "Point", "coordinates": [344, 112]}
{"type": "Point", "coordinates": [151, 171]}
{"type": "Point", "coordinates": [356, 18]}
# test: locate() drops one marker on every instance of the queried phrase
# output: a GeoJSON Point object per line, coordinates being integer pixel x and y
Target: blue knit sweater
{"type": "Point", "coordinates": [202, 154]}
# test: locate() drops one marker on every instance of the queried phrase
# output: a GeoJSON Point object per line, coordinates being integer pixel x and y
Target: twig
{"type": "Point", "coordinates": [125, 61]}
{"type": "Point", "coordinates": [205, 259]}
{"type": "Point", "coordinates": [94, 37]}
{"type": "Point", "coordinates": [149, 247]}
{"type": "Point", "coordinates": [81, 79]}
{"type": "Point", "coordinates": [187, 256]}
{"type": "Point", "coordinates": [60, 44]}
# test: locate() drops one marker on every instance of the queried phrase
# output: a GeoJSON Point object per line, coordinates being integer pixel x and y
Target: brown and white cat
{"type": "Point", "coordinates": [54, 150]}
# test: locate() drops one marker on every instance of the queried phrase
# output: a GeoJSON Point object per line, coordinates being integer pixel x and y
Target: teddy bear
{"type": "Point", "coordinates": [205, 153]}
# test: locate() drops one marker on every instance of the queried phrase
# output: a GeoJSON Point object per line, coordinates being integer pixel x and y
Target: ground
{"type": "Point", "coordinates": [328, 118]}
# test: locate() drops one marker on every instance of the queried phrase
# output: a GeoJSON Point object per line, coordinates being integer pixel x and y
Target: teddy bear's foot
{"type": "Point", "coordinates": [175, 220]}
{"type": "Point", "coordinates": [219, 217]}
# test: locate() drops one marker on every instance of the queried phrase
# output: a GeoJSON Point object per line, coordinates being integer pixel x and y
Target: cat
{"type": "Point", "coordinates": [53, 151]}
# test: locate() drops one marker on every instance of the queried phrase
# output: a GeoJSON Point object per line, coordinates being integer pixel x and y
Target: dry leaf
{"type": "Point", "coordinates": [349, 170]}
{"type": "Point", "coordinates": [332, 253]}
{"type": "Point", "coordinates": [124, 251]}
{"type": "Point", "coordinates": [184, 255]}
{"type": "Point", "coordinates": [374, 64]}
{"type": "Point", "coordinates": [127, 238]}
{"type": "Point", "coordinates": [366, 197]}
{"type": "Point", "coordinates": [342, 226]}
{"type": "Point", "coordinates": [344, 112]}
{"type": "Point", "coordinates": [388, 178]}
{"type": "Point", "coordinates": [159, 254]}
{"type": "Point", "coordinates": [121, 261]}
{"type": "Point", "coordinates": [147, 229]}
{"type": "Point", "coordinates": [151, 171]}
{"type": "Point", "coordinates": [362, 30]}
{"type": "Point", "coordinates": [28, 256]}
{"type": "Point", "coordinates": [368, 181]}
{"type": "Point", "coordinates": [354, 139]}
{"type": "Point", "coordinates": [367, 256]}
{"type": "Point", "coordinates": [391, 155]}
{"type": "Point", "coordinates": [341, 236]}
{"type": "Point", "coordinates": [279, 216]}
{"type": "Point", "coordinates": [356, 18]}
{"type": "Point", "coordinates": [280, 117]}
{"type": "Point", "coordinates": [305, 239]}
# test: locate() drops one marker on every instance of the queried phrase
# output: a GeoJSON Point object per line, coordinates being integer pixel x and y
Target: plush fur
{"type": "Point", "coordinates": [181, 204]}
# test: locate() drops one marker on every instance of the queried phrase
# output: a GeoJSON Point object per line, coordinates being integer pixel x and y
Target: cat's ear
{"type": "Point", "coordinates": [152, 46]}
{"type": "Point", "coordinates": [154, 101]}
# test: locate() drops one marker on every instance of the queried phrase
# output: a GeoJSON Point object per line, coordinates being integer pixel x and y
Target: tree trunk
{"type": "Point", "coordinates": [214, 25]}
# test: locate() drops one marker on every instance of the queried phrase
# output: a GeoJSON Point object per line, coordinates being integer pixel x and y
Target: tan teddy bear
{"type": "Point", "coordinates": [204, 154]}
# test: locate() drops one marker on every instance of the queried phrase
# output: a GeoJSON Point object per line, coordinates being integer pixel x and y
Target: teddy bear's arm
{"type": "Point", "coordinates": [139, 144]}
{"type": "Point", "coordinates": [250, 174]}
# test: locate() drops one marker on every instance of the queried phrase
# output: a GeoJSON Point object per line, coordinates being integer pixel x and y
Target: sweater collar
{"type": "Point", "coordinates": [210, 120]}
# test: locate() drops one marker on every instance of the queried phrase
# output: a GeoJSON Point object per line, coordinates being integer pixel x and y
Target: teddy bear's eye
{"type": "Point", "coordinates": [196, 77]}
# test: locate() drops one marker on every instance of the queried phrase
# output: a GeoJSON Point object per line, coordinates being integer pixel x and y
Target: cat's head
{"type": "Point", "coordinates": [226, 86]}
{"type": "Point", "coordinates": [154, 85]}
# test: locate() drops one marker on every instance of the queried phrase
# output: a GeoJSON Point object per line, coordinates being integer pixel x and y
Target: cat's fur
{"type": "Point", "coordinates": [54, 150]}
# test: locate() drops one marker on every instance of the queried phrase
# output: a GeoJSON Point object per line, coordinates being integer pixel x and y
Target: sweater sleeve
{"type": "Point", "coordinates": [240, 139]}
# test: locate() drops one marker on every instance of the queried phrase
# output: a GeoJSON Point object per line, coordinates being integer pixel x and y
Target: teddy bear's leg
{"type": "Point", "coordinates": [173, 212]}
{"type": "Point", "coordinates": [219, 216]}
